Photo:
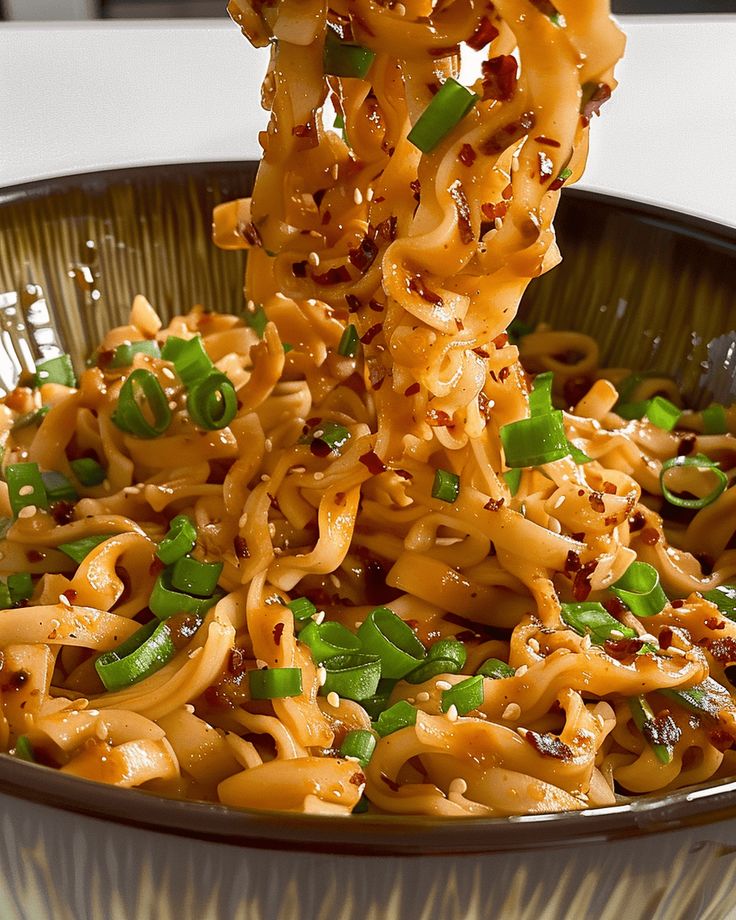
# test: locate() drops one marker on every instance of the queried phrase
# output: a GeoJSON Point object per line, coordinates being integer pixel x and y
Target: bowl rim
{"type": "Point", "coordinates": [364, 835]}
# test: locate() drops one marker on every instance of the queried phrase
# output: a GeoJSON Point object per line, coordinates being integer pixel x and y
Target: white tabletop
{"type": "Point", "coordinates": [87, 96]}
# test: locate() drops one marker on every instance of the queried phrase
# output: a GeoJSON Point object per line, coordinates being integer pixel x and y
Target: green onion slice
{"type": "Point", "coordinates": [165, 601]}
{"type": "Point", "coordinates": [387, 635]}
{"type": "Point", "coordinates": [332, 434]}
{"type": "Point", "coordinates": [143, 409]}
{"type": "Point", "coordinates": [56, 370]}
{"type": "Point", "coordinates": [724, 597]}
{"type": "Point", "coordinates": [124, 354]}
{"type": "Point", "coordinates": [360, 744]}
{"type": "Point", "coordinates": [4, 596]}
{"type": "Point", "coordinates": [328, 639]}
{"type": "Point", "coordinates": [78, 550]}
{"type": "Point", "coordinates": [194, 577]}
{"type": "Point", "coordinates": [58, 488]}
{"type": "Point", "coordinates": [535, 441]}
{"type": "Point", "coordinates": [540, 398]}
{"type": "Point", "coordinates": [430, 668]}
{"type": "Point", "coordinates": [698, 462]}
{"type": "Point", "coordinates": [88, 471]}
{"type": "Point", "coordinates": [211, 402]}
{"type": "Point", "coordinates": [446, 486]}
{"type": "Point", "coordinates": [400, 715]}
{"type": "Point", "coordinates": [496, 669]}
{"type": "Point", "coordinates": [706, 699]}
{"type": "Point", "coordinates": [20, 587]}
{"type": "Point", "coordinates": [640, 590]}
{"type": "Point", "coordinates": [302, 608]}
{"type": "Point", "coordinates": [449, 648]}
{"type": "Point", "coordinates": [591, 618]}
{"type": "Point", "coordinates": [663, 413]}
{"type": "Point", "coordinates": [632, 410]}
{"type": "Point", "coordinates": [256, 319]}
{"type": "Point", "coordinates": [191, 361]}
{"type": "Point", "coordinates": [643, 715]}
{"type": "Point", "coordinates": [179, 540]}
{"type": "Point", "coordinates": [714, 419]}
{"type": "Point", "coordinates": [354, 677]}
{"type": "Point", "coordinates": [446, 110]}
{"type": "Point", "coordinates": [24, 749]}
{"type": "Point", "coordinates": [275, 683]}
{"type": "Point", "coordinates": [513, 480]}
{"type": "Point", "coordinates": [464, 696]}
{"type": "Point", "coordinates": [346, 59]}
{"type": "Point", "coordinates": [25, 487]}
{"type": "Point", "coordinates": [31, 418]}
{"type": "Point", "coordinates": [144, 653]}
{"type": "Point", "coordinates": [376, 704]}
{"type": "Point", "coordinates": [349, 342]}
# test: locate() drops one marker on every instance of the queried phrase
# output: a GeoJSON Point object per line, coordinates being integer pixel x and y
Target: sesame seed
{"type": "Point", "coordinates": [335, 580]}
{"type": "Point", "coordinates": [648, 637]}
{"type": "Point", "coordinates": [443, 685]}
{"type": "Point", "coordinates": [243, 520]}
{"type": "Point", "coordinates": [512, 712]}
{"type": "Point", "coordinates": [358, 624]}
{"type": "Point", "coordinates": [674, 650]}
{"type": "Point", "coordinates": [616, 633]}
{"type": "Point", "coordinates": [172, 404]}
{"type": "Point", "coordinates": [265, 477]}
{"type": "Point", "coordinates": [25, 490]}
{"type": "Point", "coordinates": [63, 599]}
{"type": "Point", "coordinates": [333, 699]}
{"type": "Point", "coordinates": [369, 193]}
{"type": "Point", "coordinates": [457, 787]}
{"type": "Point", "coordinates": [250, 306]}
{"type": "Point", "coordinates": [27, 512]}
{"type": "Point", "coordinates": [167, 372]}
{"type": "Point", "coordinates": [520, 672]}
{"type": "Point", "coordinates": [586, 643]}
{"type": "Point", "coordinates": [559, 503]}
{"type": "Point", "coordinates": [318, 433]}
{"type": "Point", "coordinates": [189, 708]}
{"type": "Point", "coordinates": [313, 259]}
{"type": "Point", "coordinates": [318, 476]}
{"type": "Point", "coordinates": [410, 699]}
{"type": "Point", "coordinates": [268, 445]}
{"type": "Point", "coordinates": [298, 469]}
{"type": "Point", "coordinates": [498, 223]}
{"type": "Point", "coordinates": [452, 713]}
{"type": "Point", "coordinates": [335, 170]}
{"type": "Point", "coordinates": [321, 676]}
{"type": "Point", "coordinates": [514, 164]}
{"type": "Point", "coordinates": [260, 663]}
{"type": "Point", "coordinates": [533, 644]}
{"type": "Point", "coordinates": [319, 617]}
{"type": "Point", "coordinates": [358, 196]}
{"type": "Point", "coordinates": [422, 697]}
{"type": "Point", "coordinates": [131, 490]}
{"type": "Point", "coordinates": [272, 529]}
{"type": "Point", "coordinates": [521, 731]}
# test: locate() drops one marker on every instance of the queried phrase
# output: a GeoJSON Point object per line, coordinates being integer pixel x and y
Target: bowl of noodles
{"type": "Point", "coordinates": [379, 589]}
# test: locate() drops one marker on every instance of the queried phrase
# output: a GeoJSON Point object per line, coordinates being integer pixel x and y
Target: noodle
{"type": "Point", "coordinates": [351, 465]}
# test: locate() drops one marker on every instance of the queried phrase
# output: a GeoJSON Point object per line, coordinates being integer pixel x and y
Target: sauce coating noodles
{"type": "Point", "coordinates": [343, 552]}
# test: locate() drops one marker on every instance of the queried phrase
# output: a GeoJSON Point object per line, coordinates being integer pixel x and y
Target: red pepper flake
{"type": "Point", "coordinates": [493, 211]}
{"type": "Point", "coordinates": [481, 352]}
{"type": "Point", "coordinates": [438, 418]}
{"type": "Point", "coordinates": [676, 604]}
{"type": "Point", "coordinates": [596, 96]}
{"type": "Point", "coordinates": [549, 745]}
{"type": "Point", "coordinates": [278, 632]}
{"type": "Point", "coordinates": [614, 606]}
{"type": "Point", "coordinates": [241, 548]}
{"type": "Point", "coordinates": [665, 637]}
{"type": "Point", "coordinates": [501, 340]}
{"type": "Point", "coordinates": [376, 306]}
{"type": "Point", "coordinates": [493, 504]}
{"type": "Point", "coordinates": [662, 729]}
{"type": "Point", "coordinates": [504, 373]}
{"type": "Point", "coordinates": [337, 275]}
{"type": "Point", "coordinates": [416, 186]}
{"type": "Point", "coordinates": [33, 555]}
{"type": "Point", "coordinates": [623, 650]}
{"type": "Point", "coordinates": [596, 502]}
{"type": "Point", "coordinates": [386, 230]}
{"type": "Point", "coordinates": [714, 623]}
{"type": "Point", "coordinates": [484, 405]}
{"type": "Point", "coordinates": [340, 499]}
{"type": "Point", "coordinates": [546, 166]}
{"type": "Point", "coordinates": [720, 740]}
{"type": "Point", "coordinates": [417, 286]}
{"type": "Point", "coordinates": [608, 487]}
{"type": "Point", "coordinates": [686, 445]}
{"type": "Point", "coordinates": [62, 512]}
{"type": "Point", "coordinates": [547, 141]}
{"type": "Point", "coordinates": [70, 594]}
{"type": "Point", "coordinates": [464, 226]}
{"type": "Point", "coordinates": [581, 583]}
{"type": "Point", "coordinates": [371, 333]}
{"type": "Point", "coordinates": [649, 536]}
{"type": "Point", "coordinates": [104, 359]}
{"type": "Point", "coordinates": [499, 77]}
{"type": "Point", "coordinates": [353, 303]}
{"type": "Point", "coordinates": [373, 462]}
{"type": "Point", "coordinates": [723, 650]}
{"type": "Point", "coordinates": [483, 35]}
{"type": "Point", "coordinates": [467, 155]}
{"type": "Point", "coordinates": [364, 255]}
{"type": "Point", "coordinates": [299, 269]}
{"type": "Point", "coordinates": [433, 87]}
{"type": "Point", "coordinates": [503, 138]}
{"type": "Point", "coordinates": [636, 521]}
{"type": "Point", "coordinates": [250, 233]}
{"type": "Point", "coordinates": [404, 474]}
{"type": "Point", "coordinates": [572, 562]}
{"type": "Point", "coordinates": [357, 779]}
{"type": "Point", "coordinates": [412, 389]}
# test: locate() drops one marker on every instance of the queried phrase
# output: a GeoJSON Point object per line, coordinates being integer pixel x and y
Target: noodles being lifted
{"type": "Point", "coordinates": [344, 553]}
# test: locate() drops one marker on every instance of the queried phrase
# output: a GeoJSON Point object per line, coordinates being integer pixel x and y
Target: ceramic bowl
{"type": "Point", "coordinates": [657, 289]}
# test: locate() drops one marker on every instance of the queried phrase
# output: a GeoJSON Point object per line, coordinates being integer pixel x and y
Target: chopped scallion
{"type": "Point", "coordinates": [194, 577]}
{"type": "Point", "coordinates": [591, 618]}
{"type": "Point", "coordinates": [144, 653]}
{"type": "Point", "coordinates": [385, 634]}
{"type": "Point", "coordinates": [191, 361]}
{"type": "Point", "coordinates": [349, 342]}
{"type": "Point", "coordinates": [275, 683]}
{"type": "Point", "coordinates": [714, 419]}
{"type": "Point", "coordinates": [25, 487]}
{"type": "Point", "coordinates": [697, 462]}
{"type": "Point", "coordinates": [24, 749]}
{"type": "Point", "coordinates": [78, 550]}
{"type": "Point", "coordinates": [166, 602]}
{"type": "Point", "coordinates": [328, 639]}
{"type": "Point", "coordinates": [464, 696]}
{"type": "Point", "coordinates": [359, 744]}
{"type": "Point", "coordinates": [302, 608]}
{"type": "Point", "coordinates": [535, 441]}
{"type": "Point", "coordinates": [400, 715]}
{"type": "Point", "coordinates": [143, 409]}
{"type": "Point", "coordinates": [353, 676]}
{"type": "Point", "coordinates": [724, 597]}
{"type": "Point", "coordinates": [58, 488]}
{"type": "Point", "coordinates": [56, 370]}
{"type": "Point", "coordinates": [211, 402]}
{"type": "Point", "coordinates": [640, 590]}
{"type": "Point", "coordinates": [180, 540]}
{"type": "Point", "coordinates": [346, 59]}
{"type": "Point", "coordinates": [124, 354]}
{"type": "Point", "coordinates": [644, 719]}
{"type": "Point", "coordinates": [20, 586]}
{"type": "Point", "coordinates": [446, 110]}
{"type": "Point", "coordinates": [446, 486]}
{"type": "Point", "coordinates": [496, 669]}
{"type": "Point", "coordinates": [88, 471]}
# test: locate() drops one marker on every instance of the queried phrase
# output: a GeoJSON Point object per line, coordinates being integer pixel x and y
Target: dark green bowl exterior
{"type": "Point", "coordinates": [654, 287]}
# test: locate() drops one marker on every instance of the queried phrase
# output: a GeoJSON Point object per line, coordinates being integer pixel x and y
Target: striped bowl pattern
{"type": "Point", "coordinates": [657, 290]}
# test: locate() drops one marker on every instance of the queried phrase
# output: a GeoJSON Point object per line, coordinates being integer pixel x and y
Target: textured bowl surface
{"type": "Point", "coordinates": [657, 290]}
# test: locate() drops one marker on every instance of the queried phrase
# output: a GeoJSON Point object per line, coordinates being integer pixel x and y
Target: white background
{"type": "Point", "coordinates": [84, 96]}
